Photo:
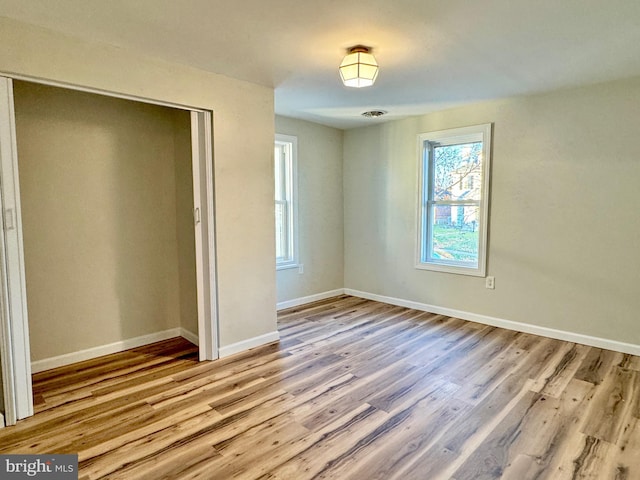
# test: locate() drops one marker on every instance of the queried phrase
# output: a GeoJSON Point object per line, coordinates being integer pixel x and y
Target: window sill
{"type": "Point", "coordinates": [287, 266]}
{"type": "Point", "coordinates": [444, 268]}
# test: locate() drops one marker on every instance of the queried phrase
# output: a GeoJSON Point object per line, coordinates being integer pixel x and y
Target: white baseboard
{"type": "Point", "coordinates": [605, 343]}
{"type": "Point", "coordinates": [190, 336]}
{"type": "Point", "coordinates": [311, 298]}
{"type": "Point", "coordinates": [89, 353]}
{"type": "Point", "coordinates": [249, 343]}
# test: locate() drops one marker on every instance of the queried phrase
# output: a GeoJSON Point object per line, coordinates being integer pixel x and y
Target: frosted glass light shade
{"type": "Point", "coordinates": [359, 68]}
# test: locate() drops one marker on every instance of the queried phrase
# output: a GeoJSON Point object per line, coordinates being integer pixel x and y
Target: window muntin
{"type": "Point", "coordinates": [453, 200]}
{"type": "Point", "coordinates": [285, 195]}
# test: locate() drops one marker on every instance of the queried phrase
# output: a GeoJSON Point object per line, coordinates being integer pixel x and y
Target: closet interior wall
{"type": "Point", "coordinates": [106, 191]}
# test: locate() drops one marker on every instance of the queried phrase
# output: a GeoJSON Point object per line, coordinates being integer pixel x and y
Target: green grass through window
{"type": "Point", "coordinates": [452, 243]}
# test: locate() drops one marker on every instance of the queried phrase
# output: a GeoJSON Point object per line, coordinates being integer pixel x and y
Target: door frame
{"type": "Point", "coordinates": [14, 327]}
{"type": "Point", "coordinates": [14, 331]}
{"type": "Point", "coordinates": [204, 222]}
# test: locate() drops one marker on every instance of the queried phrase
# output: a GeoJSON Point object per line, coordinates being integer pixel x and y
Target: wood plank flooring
{"type": "Point", "coordinates": [355, 389]}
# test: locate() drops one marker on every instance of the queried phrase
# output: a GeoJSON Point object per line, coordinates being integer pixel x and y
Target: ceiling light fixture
{"type": "Point", "coordinates": [359, 68]}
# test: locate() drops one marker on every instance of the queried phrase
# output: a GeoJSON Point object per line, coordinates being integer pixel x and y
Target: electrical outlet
{"type": "Point", "coordinates": [301, 269]}
{"type": "Point", "coordinates": [490, 282]}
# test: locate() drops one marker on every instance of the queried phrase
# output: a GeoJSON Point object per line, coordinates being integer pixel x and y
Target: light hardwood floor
{"type": "Point", "coordinates": [354, 390]}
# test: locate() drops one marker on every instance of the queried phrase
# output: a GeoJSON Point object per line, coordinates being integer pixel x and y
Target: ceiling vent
{"type": "Point", "coordinates": [373, 113]}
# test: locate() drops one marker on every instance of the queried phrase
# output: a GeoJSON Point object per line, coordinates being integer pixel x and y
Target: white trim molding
{"type": "Point", "coordinates": [189, 336]}
{"type": "Point", "coordinates": [99, 351]}
{"type": "Point", "coordinates": [573, 337]}
{"type": "Point", "coordinates": [97, 91]}
{"type": "Point", "coordinates": [204, 228]}
{"type": "Point", "coordinates": [308, 299]}
{"type": "Point", "coordinates": [258, 341]}
{"type": "Point", "coordinates": [14, 325]}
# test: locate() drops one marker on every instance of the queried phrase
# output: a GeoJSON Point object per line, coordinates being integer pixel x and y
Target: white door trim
{"type": "Point", "coordinates": [16, 361]}
{"type": "Point", "coordinates": [203, 208]}
{"type": "Point", "coordinates": [98, 91]}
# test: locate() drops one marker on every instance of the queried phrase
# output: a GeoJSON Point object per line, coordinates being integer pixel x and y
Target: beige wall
{"type": "Point", "coordinates": [104, 185]}
{"type": "Point", "coordinates": [564, 229]}
{"type": "Point", "coordinates": [320, 210]}
{"type": "Point", "coordinates": [185, 235]}
{"type": "Point", "coordinates": [243, 151]}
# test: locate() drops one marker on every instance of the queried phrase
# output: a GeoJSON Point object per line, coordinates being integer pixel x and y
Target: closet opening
{"type": "Point", "coordinates": [108, 244]}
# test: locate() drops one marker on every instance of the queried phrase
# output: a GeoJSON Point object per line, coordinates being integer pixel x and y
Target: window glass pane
{"type": "Point", "coordinates": [457, 171]}
{"type": "Point", "coordinates": [281, 231]}
{"type": "Point", "coordinates": [455, 233]}
{"type": "Point", "coordinates": [279, 172]}
{"type": "Point", "coordinates": [285, 191]}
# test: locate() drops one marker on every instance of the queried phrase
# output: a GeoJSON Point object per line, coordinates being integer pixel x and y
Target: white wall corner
{"type": "Point", "coordinates": [238, 347]}
{"type": "Point", "coordinates": [99, 351]}
{"type": "Point", "coordinates": [608, 344]}
{"type": "Point", "coordinates": [310, 298]}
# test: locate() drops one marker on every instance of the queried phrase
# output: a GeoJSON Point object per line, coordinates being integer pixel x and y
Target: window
{"type": "Point", "coordinates": [285, 178]}
{"type": "Point", "coordinates": [453, 200]}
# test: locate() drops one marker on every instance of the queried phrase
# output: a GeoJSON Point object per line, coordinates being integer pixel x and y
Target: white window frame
{"type": "Point", "coordinates": [452, 136]}
{"type": "Point", "coordinates": [289, 144]}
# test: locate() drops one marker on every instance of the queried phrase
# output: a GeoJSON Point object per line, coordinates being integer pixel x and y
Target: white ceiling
{"type": "Point", "coordinates": [433, 54]}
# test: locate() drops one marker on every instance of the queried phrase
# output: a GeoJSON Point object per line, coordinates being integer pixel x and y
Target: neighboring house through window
{"type": "Point", "coordinates": [285, 197]}
{"type": "Point", "coordinates": [453, 200]}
